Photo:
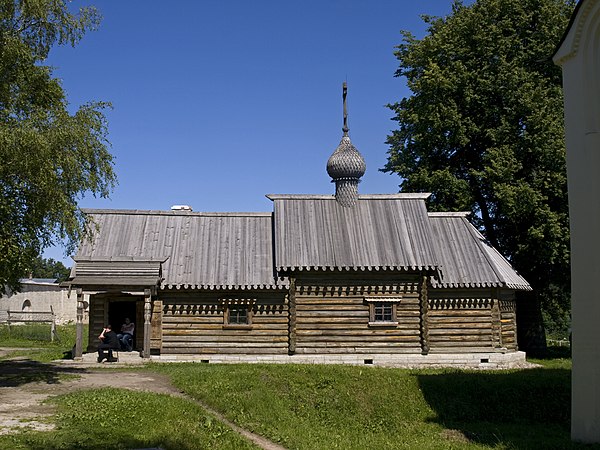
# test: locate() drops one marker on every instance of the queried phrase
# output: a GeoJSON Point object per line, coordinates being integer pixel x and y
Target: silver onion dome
{"type": "Point", "coordinates": [346, 165]}
{"type": "Point", "coordinates": [346, 161]}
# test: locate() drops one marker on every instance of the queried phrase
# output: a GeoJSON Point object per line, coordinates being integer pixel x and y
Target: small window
{"type": "Point", "coordinates": [237, 313]}
{"type": "Point", "coordinates": [383, 311]}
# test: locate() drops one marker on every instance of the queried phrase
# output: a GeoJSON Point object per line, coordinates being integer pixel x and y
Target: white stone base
{"type": "Point", "coordinates": [491, 360]}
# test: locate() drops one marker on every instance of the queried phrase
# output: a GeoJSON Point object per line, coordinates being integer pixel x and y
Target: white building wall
{"type": "Point", "coordinates": [42, 297]}
{"type": "Point", "coordinates": [579, 56]}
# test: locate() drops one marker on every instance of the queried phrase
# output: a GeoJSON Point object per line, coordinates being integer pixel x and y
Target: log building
{"type": "Point", "coordinates": [344, 278]}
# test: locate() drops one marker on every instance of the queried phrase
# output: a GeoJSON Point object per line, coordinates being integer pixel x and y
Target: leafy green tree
{"type": "Point", "coordinates": [49, 268]}
{"type": "Point", "coordinates": [483, 132]}
{"type": "Point", "coordinates": [49, 157]}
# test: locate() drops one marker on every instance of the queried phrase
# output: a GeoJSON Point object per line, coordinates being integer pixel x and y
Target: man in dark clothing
{"type": "Point", "coordinates": [110, 341]}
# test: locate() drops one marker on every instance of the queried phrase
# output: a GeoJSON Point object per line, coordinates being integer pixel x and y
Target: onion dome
{"type": "Point", "coordinates": [346, 165]}
{"type": "Point", "coordinates": [346, 161]}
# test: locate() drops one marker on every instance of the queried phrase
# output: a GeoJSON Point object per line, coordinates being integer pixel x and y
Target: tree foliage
{"type": "Point", "coordinates": [49, 157]}
{"type": "Point", "coordinates": [483, 130]}
{"type": "Point", "coordinates": [49, 268]}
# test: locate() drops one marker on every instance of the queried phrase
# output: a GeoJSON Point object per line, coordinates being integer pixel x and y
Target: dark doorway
{"type": "Point", "coordinates": [118, 311]}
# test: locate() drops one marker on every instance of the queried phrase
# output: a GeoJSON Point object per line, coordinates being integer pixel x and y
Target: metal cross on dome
{"type": "Point", "coordinates": [345, 128]}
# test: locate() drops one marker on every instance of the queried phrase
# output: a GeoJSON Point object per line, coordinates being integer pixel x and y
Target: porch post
{"type": "Point", "coordinates": [79, 326]}
{"type": "Point", "coordinates": [147, 325]}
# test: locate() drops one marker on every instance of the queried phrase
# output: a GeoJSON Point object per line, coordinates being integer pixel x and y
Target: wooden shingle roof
{"type": "Point", "coordinates": [466, 257]}
{"type": "Point", "coordinates": [197, 250]}
{"type": "Point", "coordinates": [183, 249]}
{"type": "Point", "coordinates": [389, 232]}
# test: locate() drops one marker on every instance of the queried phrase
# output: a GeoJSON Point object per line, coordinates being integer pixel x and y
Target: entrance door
{"type": "Point", "coordinates": [119, 310]}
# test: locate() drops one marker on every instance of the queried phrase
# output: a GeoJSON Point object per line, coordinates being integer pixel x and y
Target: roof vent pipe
{"type": "Point", "coordinates": [181, 208]}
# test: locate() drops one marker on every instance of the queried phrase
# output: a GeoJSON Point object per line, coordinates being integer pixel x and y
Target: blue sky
{"type": "Point", "coordinates": [219, 102]}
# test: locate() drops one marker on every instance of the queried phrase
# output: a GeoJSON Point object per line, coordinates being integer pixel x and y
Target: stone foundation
{"type": "Point", "coordinates": [492, 360]}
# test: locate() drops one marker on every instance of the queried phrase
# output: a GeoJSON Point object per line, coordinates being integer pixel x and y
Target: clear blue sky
{"type": "Point", "coordinates": [219, 102]}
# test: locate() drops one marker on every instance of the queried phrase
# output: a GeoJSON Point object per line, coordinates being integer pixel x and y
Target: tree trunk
{"type": "Point", "coordinates": [488, 223]}
{"type": "Point", "coordinates": [531, 335]}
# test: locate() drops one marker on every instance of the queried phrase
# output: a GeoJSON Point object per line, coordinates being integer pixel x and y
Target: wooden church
{"type": "Point", "coordinates": [344, 278]}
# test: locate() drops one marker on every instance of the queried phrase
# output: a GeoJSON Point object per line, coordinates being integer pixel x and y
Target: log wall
{"type": "Point", "coordinates": [467, 320]}
{"type": "Point", "coordinates": [192, 323]}
{"type": "Point", "coordinates": [508, 320]}
{"type": "Point", "coordinates": [333, 316]}
{"type": "Point", "coordinates": [156, 326]}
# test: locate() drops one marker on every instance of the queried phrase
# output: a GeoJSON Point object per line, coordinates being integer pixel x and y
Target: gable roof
{"type": "Point", "coordinates": [379, 232]}
{"type": "Point", "coordinates": [183, 249]}
{"type": "Point", "coordinates": [466, 257]}
{"type": "Point", "coordinates": [197, 250]}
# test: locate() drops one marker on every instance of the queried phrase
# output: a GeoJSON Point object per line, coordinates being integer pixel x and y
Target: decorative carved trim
{"type": "Point", "coordinates": [460, 303]}
{"type": "Point", "coordinates": [237, 301]}
{"type": "Point", "coordinates": [579, 24]}
{"type": "Point", "coordinates": [292, 317]}
{"type": "Point", "coordinates": [209, 309]}
{"type": "Point", "coordinates": [358, 290]}
{"type": "Point", "coordinates": [79, 326]}
{"type": "Point", "coordinates": [383, 324]}
{"type": "Point", "coordinates": [508, 306]}
{"type": "Point", "coordinates": [496, 322]}
{"type": "Point", "coordinates": [424, 315]}
{"type": "Point", "coordinates": [147, 322]}
{"type": "Point", "coordinates": [180, 309]}
{"type": "Point", "coordinates": [156, 325]}
{"type": "Point", "coordinates": [383, 299]}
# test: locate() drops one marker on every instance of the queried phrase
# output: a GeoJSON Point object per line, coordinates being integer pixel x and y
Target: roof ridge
{"type": "Point", "coordinates": [141, 212]}
{"type": "Point", "coordinates": [396, 196]}
{"type": "Point", "coordinates": [448, 213]}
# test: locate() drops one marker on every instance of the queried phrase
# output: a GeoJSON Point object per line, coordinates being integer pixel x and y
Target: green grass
{"type": "Point", "coordinates": [119, 419]}
{"type": "Point", "coordinates": [32, 341]}
{"type": "Point", "coordinates": [325, 407]}
{"type": "Point", "coordinates": [312, 407]}
{"type": "Point", "coordinates": [556, 358]}
{"type": "Point", "coordinates": [21, 334]}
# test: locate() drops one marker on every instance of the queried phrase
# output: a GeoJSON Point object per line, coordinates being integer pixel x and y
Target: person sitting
{"type": "Point", "coordinates": [126, 335]}
{"type": "Point", "coordinates": [109, 342]}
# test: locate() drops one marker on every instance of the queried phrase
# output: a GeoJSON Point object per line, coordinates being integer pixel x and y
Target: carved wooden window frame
{"type": "Point", "coordinates": [229, 305]}
{"type": "Point", "coordinates": [383, 302]}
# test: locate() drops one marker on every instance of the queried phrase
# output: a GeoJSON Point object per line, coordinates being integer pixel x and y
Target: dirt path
{"type": "Point", "coordinates": [24, 385]}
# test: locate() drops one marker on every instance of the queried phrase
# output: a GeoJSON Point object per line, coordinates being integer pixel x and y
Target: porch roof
{"type": "Point", "coordinates": [192, 250]}
{"type": "Point", "coordinates": [116, 272]}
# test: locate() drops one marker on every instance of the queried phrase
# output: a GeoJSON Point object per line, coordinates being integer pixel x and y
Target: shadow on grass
{"type": "Point", "coordinates": [18, 372]}
{"type": "Point", "coordinates": [102, 439]}
{"type": "Point", "coordinates": [521, 409]}
{"type": "Point", "coordinates": [555, 352]}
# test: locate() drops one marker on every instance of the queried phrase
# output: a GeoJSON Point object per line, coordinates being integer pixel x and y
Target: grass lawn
{"type": "Point", "coordinates": [33, 341]}
{"type": "Point", "coordinates": [323, 407]}
{"type": "Point", "coordinates": [106, 419]}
